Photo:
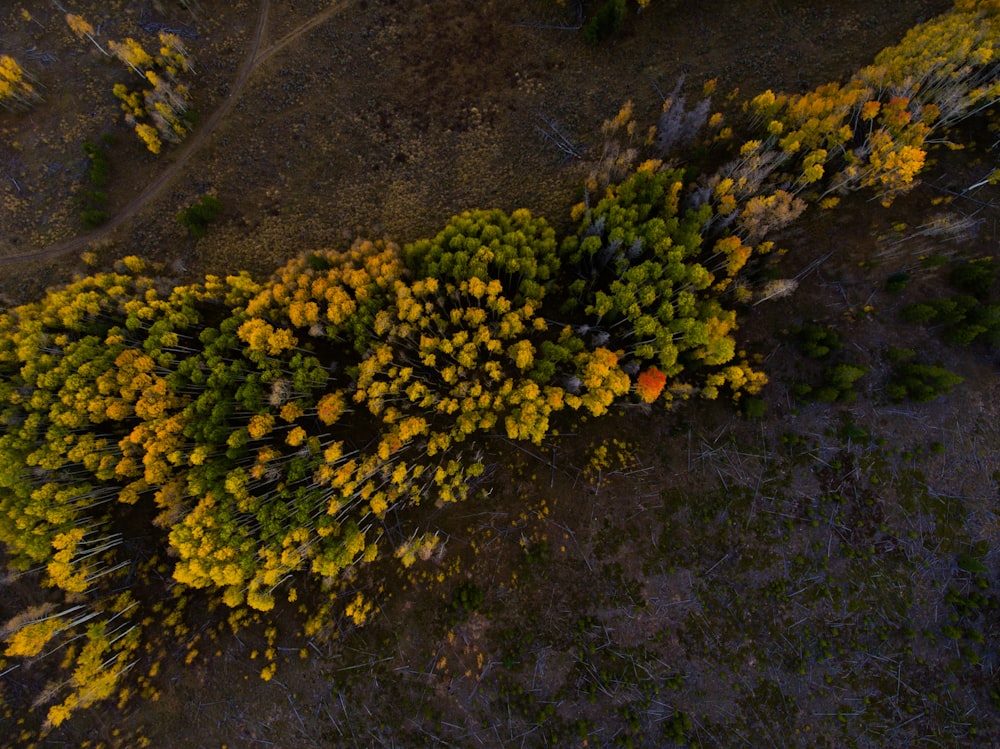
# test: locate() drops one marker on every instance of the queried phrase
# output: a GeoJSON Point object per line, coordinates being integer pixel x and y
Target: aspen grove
{"type": "Point", "coordinates": [258, 435]}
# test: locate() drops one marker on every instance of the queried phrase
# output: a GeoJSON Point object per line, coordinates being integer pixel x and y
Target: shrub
{"type": "Point", "coordinates": [93, 217]}
{"type": "Point", "coordinates": [963, 334]}
{"type": "Point", "coordinates": [608, 20]}
{"type": "Point", "coordinates": [817, 341]}
{"type": "Point", "coordinates": [851, 432]}
{"type": "Point", "coordinates": [843, 376]}
{"type": "Point", "coordinates": [837, 385]}
{"type": "Point", "coordinates": [915, 381]}
{"type": "Point", "coordinates": [963, 318]}
{"type": "Point", "coordinates": [468, 598]}
{"type": "Point", "coordinates": [897, 282]}
{"type": "Point", "coordinates": [753, 408]}
{"type": "Point", "coordinates": [100, 168]}
{"type": "Point", "coordinates": [196, 217]}
{"type": "Point", "coordinates": [919, 313]}
{"type": "Point", "coordinates": [92, 207]}
{"type": "Point", "coordinates": [975, 278]}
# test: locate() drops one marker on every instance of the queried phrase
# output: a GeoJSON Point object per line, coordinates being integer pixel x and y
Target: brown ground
{"type": "Point", "coordinates": [704, 575]}
{"type": "Point", "coordinates": [365, 117]}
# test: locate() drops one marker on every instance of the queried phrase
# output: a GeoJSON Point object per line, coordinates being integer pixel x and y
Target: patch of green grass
{"type": "Point", "coordinates": [817, 341]}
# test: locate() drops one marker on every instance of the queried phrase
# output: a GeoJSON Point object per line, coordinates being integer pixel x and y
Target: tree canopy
{"type": "Point", "coordinates": [261, 432]}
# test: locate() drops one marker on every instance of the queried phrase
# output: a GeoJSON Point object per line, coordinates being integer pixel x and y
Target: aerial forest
{"type": "Point", "coordinates": [250, 449]}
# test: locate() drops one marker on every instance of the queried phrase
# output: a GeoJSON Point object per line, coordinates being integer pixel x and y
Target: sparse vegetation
{"type": "Point", "coordinates": [966, 316]}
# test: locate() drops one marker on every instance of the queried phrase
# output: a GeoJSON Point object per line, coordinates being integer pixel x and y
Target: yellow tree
{"type": "Point", "coordinates": [15, 87]}
{"type": "Point", "coordinates": [132, 54]}
{"type": "Point", "coordinates": [82, 28]}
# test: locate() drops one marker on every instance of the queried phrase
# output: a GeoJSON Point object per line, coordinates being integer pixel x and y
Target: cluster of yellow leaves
{"type": "Point", "coordinates": [132, 54]}
{"type": "Point", "coordinates": [263, 339]}
{"type": "Point", "coordinates": [157, 113]}
{"type": "Point", "coordinates": [418, 547]}
{"type": "Point", "coordinates": [735, 253]}
{"type": "Point", "coordinates": [31, 638]}
{"type": "Point", "coordinates": [332, 294]}
{"type": "Point", "coordinates": [461, 350]}
{"type": "Point", "coordinates": [15, 89]}
{"type": "Point", "coordinates": [82, 28]}
{"type": "Point", "coordinates": [164, 104]}
{"type": "Point", "coordinates": [359, 609]}
{"type": "Point", "coordinates": [603, 379]}
{"type": "Point", "coordinates": [872, 131]}
{"type": "Point", "coordinates": [109, 643]}
{"type": "Point", "coordinates": [98, 667]}
{"type": "Point", "coordinates": [738, 378]}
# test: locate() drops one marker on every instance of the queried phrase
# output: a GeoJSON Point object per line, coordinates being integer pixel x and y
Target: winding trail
{"type": "Point", "coordinates": [291, 36]}
{"type": "Point", "coordinates": [255, 56]}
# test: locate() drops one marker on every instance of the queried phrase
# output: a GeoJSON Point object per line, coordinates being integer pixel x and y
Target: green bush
{"type": "Point", "coordinates": [838, 380]}
{"type": "Point", "coordinates": [92, 207]}
{"type": "Point", "coordinates": [802, 391]}
{"type": "Point", "coordinates": [964, 334]}
{"type": "Point", "coordinates": [100, 168]}
{"type": "Point", "coordinates": [897, 282]}
{"type": "Point", "coordinates": [971, 564]}
{"type": "Point", "coordinates": [920, 313]}
{"type": "Point", "coordinates": [826, 394]}
{"type": "Point", "coordinates": [196, 217]}
{"type": "Point", "coordinates": [963, 318]}
{"type": "Point", "coordinates": [915, 381]}
{"type": "Point", "coordinates": [93, 217]}
{"type": "Point", "coordinates": [608, 21]}
{"type": "Point", "coordinates": [974, 278]}
{"type": "Point", "coordinates": [468, 598]}
{"type": "Point", "coordinates": [92, 202]}
{"type": "Point", "coordinates": [817, 341]}
{"type": "Point", "coordinates": [753, 408]}
{"type": "Point", "coordinates": [851, 432]}
{"type": "Point", "coordinates": [955, 309]}
{"type": "Point", "coordinates": [843, 376]}
{"type": "Point", "coordinates": [900, 354]}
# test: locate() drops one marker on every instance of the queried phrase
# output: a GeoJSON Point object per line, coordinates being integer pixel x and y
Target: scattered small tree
{"type": "Point", "coordinates": [608, 20]}
{"type": "Point", "coordinates": [916, 381]}
{"type": "Point", "coordinates": [197, 216]}
{"type": "Point", "coordinates": [84, 30]}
